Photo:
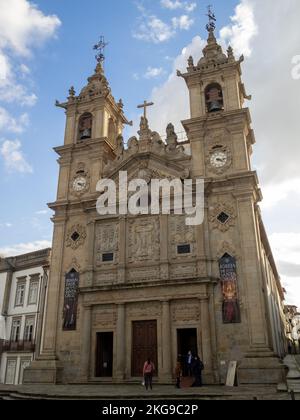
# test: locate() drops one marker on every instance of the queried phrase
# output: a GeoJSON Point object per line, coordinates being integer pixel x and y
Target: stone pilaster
{"type": "Point", "coordinates": [164, 246]}
{"type": "Point", "coordinates": [122, 251]}
{"type": "Point", "coordinates": [86, 342]}
{"type": "Point", "coordinates": [121, 342]}
{"type": "Point", "coordinates": [166, 342]}
{"type": "Point", "coordinates": [206, 340]}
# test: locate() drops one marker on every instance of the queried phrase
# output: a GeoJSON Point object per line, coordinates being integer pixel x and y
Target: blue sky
{"type": "Point", "coordinates": [47, 48]}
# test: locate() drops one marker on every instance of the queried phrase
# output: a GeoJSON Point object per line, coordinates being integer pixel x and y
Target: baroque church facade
{"type": "Point", "coordinates": [124, 288]}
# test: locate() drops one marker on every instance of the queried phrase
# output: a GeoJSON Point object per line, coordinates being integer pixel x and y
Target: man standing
{"type": "Point", "coordinates": [197, 370]}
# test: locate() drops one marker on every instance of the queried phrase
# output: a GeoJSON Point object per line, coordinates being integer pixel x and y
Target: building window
{"type": "Point", "coordinates": [108, 257]}
{"type": "Point", "coordinates": [10, 375]}
{"type": "Point", "coordinates": [16, 330]}
{"type": "Point", "coordinates": [29, 329]}
{"type": "Point", "coordinates": [33, 292]}
{"type": "Point", "coordinates": [20, 293]}
{"type": "Point", "coordinates": [184, 249]}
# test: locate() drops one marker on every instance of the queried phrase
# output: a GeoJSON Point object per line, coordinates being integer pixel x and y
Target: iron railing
{"type": "Point", "coordinates": [15, 346]}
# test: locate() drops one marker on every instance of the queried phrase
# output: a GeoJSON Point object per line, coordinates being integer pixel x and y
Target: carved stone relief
{"type": "Point", "coordinates": [144, 309]}
{"type": "Point", "coordinates": [106, 241]}
{"type": "Point", "coordinates": [104, 318]}
{"type": "Point", "coordinates": [181, 234]}
{"type": "Point", "coordinates": [144, 240]}
{"type": "Point", "coordinates": [188, 311]}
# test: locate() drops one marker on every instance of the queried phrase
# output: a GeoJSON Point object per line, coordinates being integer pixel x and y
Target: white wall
{"type": "Point", "coordinates": [3, 277]}
{"type": "Point", "coordinates": [20, 312]}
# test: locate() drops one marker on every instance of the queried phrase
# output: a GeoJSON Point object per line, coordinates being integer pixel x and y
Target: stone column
{"type": "Point", "coordinates": [88, 280]}
{"type": "Point", "coordinates": [86, 342]}
{"type": "Point", "coordinates": [206, 340]}
{"type": "Point", "coordinates": [164, 261]}
{"type": "Point", "coordinates": [252, 275]}
{"type": "Point", "coordinates": [121, 343]}
{"type": "Point", "coordinates": [166, 342]}
{"type": "Point", "coordinates": [122, 252]}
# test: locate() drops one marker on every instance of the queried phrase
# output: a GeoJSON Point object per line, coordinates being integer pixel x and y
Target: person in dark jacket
{"type": "Point", "coordinates": [198, 367]}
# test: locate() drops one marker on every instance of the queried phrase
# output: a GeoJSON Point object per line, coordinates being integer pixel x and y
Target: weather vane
{"type": "Point", "coordinates": [211, 26]}
{"type": "Point", "coordinates": [100, 48]}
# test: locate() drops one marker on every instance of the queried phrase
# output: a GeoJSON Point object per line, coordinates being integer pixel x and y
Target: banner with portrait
{"type": "Point", "coordinates": [231, 305]}
{"type": "Point", "coordinates": [71, 301]}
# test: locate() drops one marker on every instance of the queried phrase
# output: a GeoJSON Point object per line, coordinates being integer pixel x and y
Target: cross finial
{"type": "Point", "coordinates": [145, 106]}
{"type": "Point", "coordinates": [100, 48]}
{"type": "Point", "coordinates": [211, 26]}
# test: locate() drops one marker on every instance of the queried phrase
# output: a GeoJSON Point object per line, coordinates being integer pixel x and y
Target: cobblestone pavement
{"type": "Point", "coordinates": [135, 392]}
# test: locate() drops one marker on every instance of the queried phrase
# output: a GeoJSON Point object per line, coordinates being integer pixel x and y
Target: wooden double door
{"type": "Point", "coordinates": [144, 345]}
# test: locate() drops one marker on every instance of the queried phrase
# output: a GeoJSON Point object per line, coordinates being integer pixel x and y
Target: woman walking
{"type": "Point", "coordinates": [148, 373]}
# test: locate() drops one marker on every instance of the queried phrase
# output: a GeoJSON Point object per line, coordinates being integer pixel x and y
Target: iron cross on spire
{"type": "Point", "coordinates": [145, 106]}
{"type": "Point", "coordinates": [100, 48]}
{"type": "Point", "coordinates": [211, 26]}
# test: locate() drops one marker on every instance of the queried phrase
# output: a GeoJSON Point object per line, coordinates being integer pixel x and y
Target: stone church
{"type": "Point", "coordinates": [124, 288]}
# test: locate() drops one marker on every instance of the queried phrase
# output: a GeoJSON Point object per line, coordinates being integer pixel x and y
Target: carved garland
{"type": "Point", "coordinates": [76, 236]}
{"type": "Point", "coordinates": [222, 217]}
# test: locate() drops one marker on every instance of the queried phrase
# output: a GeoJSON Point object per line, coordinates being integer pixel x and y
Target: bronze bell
{"type": "Point", "coordinates": [86, 134]}
{"type": "Point", "coordinates": [215, 106]}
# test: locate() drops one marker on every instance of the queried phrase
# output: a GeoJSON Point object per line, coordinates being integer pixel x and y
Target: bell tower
{"type": "Point", "coordinates": [220, 127]}
{"type": "Point", "coordinates": [221, 139]}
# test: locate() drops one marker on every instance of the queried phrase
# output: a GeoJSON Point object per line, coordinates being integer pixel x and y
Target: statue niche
{"type": "Point", "coordinates": [85, 126]}
{"type": "Point", "coordinates": [214, 98]}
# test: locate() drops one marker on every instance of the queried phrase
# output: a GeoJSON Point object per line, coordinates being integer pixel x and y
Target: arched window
{"type": "Point", "coordinates": [85, 126]}
{"type": "Point", "coordinates": [71, 300]}
{"type": "Point", "coordinates": [214, 98]}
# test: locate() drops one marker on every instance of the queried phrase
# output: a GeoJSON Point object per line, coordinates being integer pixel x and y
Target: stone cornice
{"type": "Point", "coordinates": [26, 261]}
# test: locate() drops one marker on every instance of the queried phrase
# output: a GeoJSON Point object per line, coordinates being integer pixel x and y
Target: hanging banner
{"type": "Point", "coordinates": [71, 301]}
{"type": "Point", "coordinates": [231, 306]}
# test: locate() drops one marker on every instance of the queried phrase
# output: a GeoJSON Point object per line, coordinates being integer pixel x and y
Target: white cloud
{"type": "Point", "coordinates": [153, 29]}
{"type": "Point", "coordinates": [42, 212]}
{"type": "Point", "coordinates": [276, 193]}
{"type": "Point", "coordinates": [154, 72]}
{"type": "Point", "coordinates": [6, 225]}
{"type": "Point", "coordinates": [11, 152]}
{"type": "Point", "coordinates": [286, 248]}
{"type": "Point", "coordinates": [243, 29]}
{"type": "Point", "coordinates": [23, 248]}
{"type": "Point", "coordinates": [11, 124]}
{"type": "Point", "coordinates": [178, 4]}
{"type": "Point", "coordinates": [24, 26]}
{"type": "Point", "coordinates": [184, 22]}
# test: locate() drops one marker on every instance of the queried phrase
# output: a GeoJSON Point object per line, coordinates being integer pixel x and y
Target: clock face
{"type": "Point", "coordinates": [79, 184]}
{"type": "Point", "coordinates": [219, 159]}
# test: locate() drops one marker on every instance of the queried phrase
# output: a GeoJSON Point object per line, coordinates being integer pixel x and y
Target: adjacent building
{"type": "Point", "coordinates": [23, 282]}
{"type": "Point", "coordinates": [292, 329]}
